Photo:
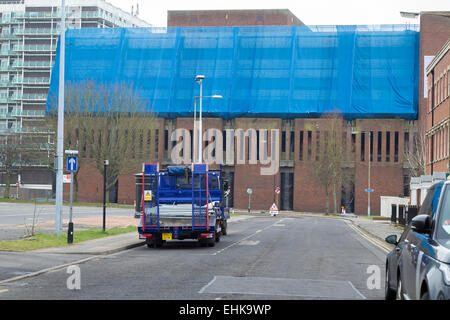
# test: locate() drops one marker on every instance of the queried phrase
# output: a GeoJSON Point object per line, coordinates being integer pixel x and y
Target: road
{"type": "Point", "coordinates": [260, 258]}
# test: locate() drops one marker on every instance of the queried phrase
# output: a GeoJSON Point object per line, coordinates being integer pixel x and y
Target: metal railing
{"type": "Point", "coordinates": [22, 113]}
{"type": "Point", "coordinates": [34, 47]}
{"type": "Point", "coordinates": [36, 80]}
{"type": "Point", "coordinates": [29, 97]}
{"type": "Point", "coordinates": [36, 31]}
{"type": "Point", "coordinates": [32, 64]}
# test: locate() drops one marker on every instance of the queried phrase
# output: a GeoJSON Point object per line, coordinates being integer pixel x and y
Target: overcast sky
{"type": "Point", "coordinates": [311, 12]}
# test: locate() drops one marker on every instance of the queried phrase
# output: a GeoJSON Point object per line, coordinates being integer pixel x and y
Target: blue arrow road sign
{"type": "Point", "coordinates": [369, 190]}
{"type": "Point", "coordinates": [72, 163]}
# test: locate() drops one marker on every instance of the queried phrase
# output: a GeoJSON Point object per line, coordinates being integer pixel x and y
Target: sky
{"type": "Point", "coordinates": [311, 12]}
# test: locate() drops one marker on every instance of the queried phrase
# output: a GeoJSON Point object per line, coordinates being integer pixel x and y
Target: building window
{"type": "Point", "coordinates": [301, 146]}
{"type": "Point", "coordinates": [388, 146]}
{"type": "Point", "coordinates": [406, 143]}
{"type": "Point", "coordinates": [353, 142]}
{"type": "Point", "coordinates": [379, 146]}
{"type": "Point", "coordinates": [317, 145]}
{"type": "Point", "coordinates": [292, 142]}
{"type": "Point", "coordinates": [309, 145]}
{"type": "Point", "coordinates": [363, 145]}
{"type": "Point", "coordinates": [396, 146]}
{"type": "Point", "coordinates": [371, 146]}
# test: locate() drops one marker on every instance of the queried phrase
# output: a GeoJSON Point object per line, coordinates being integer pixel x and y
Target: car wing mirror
{"type": "Point", "coordinates": [421, 223]}
{"type": "Point", "coordinates": [392, 239]}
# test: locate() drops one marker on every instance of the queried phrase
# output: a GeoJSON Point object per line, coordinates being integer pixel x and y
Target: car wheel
{"type": "Point", "coordinates": [399, 293]}
{"type": "Point", "coordinates": [388, 292]}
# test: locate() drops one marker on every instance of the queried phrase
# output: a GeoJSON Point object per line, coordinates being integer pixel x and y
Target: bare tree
{"type": "Point", "coordinates": [416, 155]}
{"type": "Point", "coordinates": [327, 166]}
{"type": "Point", "coordinates": [10, 150]}
{"type": "Point", "coordinates": [105, 122]}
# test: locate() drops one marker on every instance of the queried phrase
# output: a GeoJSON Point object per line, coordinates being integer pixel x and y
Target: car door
{"type": "Point", "coordinates": [418, 245]}
{"type": "Point", "coordinates": [410, 252]}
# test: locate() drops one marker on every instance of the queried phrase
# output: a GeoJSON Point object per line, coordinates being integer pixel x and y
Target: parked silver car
{"type": "Point", "coordinates": [419, 265]}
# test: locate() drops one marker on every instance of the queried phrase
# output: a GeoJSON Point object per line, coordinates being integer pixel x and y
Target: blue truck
{"type": "Point", "coordinates": [182, 202]}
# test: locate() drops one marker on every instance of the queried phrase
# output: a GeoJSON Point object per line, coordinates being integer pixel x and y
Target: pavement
{"type": "Point", "coordinates": [378, 230]}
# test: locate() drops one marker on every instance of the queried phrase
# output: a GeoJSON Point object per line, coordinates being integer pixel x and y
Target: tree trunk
{"type": "Point", "coordinates": [7, 185]}
{"type": "Point", "coordinates": [327, 204]}
{"type": "Point", "coordinates": [334, 198]}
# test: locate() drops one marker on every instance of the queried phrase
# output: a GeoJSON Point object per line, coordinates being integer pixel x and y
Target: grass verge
{"type": "Point", "coordinates": [43, 240]}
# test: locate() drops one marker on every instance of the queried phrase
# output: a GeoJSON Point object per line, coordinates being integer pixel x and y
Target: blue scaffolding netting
{"type": "Point", "coordinates": [262, 71]}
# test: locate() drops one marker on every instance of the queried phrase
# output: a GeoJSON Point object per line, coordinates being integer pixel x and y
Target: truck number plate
{"type": "Point", "coordinates": [167, 236]}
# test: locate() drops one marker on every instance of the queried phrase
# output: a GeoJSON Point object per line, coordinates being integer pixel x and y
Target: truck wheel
{"type": "Point", "coordinates": [149, 243]}
{"type": "Point", "coordinates": [212, 243]}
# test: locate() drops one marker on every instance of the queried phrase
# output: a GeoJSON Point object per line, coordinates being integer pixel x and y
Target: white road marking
{"type": "Point", "coordinates": [245, 238]}
{"type": "Point", "coordinates": [207, 285]}
{"type": "Point", "coordinates": [249, 243]}
{"type": "Point", "coordinates": [357, 291]}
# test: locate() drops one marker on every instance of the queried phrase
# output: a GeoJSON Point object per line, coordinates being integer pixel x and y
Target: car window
{"type": "Point", "coordinates": [443, 223]}
{"type": "Point", "coordinates": [426, 207]}
{"type": "Point", "coordinates": [431, 201]}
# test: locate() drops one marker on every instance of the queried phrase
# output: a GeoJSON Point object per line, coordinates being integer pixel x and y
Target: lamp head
{"type": "Point", "coordinates": [199, 78]}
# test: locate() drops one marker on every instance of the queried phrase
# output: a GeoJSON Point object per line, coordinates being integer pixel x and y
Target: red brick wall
{"type": "Point", "coordinates": [231, 18]}
{"type": "Point", "coordinates": [434, 32]}
{"type": "Point", "coordinates": [438, 135]}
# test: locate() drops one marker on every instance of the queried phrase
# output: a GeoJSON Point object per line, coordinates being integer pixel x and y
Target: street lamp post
{"type": "Point", "coordinates": [199, 80]}
{"type": "Point", "coordinates": [60, 132]}
{"type": "Point", "coordinates": [368, 187]}
{"type": "Point", "coordinates": [105, 164]}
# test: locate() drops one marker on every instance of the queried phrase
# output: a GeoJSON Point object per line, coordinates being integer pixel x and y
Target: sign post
{"type": "Point", "coordinates": [105, 164]}
{"type": "Point", "coordinates": [368, 200]}
{"type": "Point", "coordinates": [72, 162]}
{"type": "Point", "coordinates": [277, 195]}
{"type": "Point", "coordinates": [249, 191]}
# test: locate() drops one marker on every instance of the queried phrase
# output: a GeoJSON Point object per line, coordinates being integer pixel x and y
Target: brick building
{"type": "Point", "coordinates": [381, 142]}
{"type": "Point", "coordinates": [228, 18]}
{"type": "Point", "coordinates": [438, 111]}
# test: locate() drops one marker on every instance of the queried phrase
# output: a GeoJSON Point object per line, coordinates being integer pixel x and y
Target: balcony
{"type": "Point", "coordinates": [8, 20]}
{"type": "Point", "coordinates": [29, 97]}
{"type": "Point", "coordinates": [34, 47]}
{"type": "Point", "coordinates": [33, 81]}
{"type": "Point", "coordinates": [17, 129]}
{"type": "Point", "coordinates": [36, 31]}
{"type": "Point", "coordinates": [33, 64]}
{"type": "Point", "coordinates": [5, 35]}
{"type": "Point", "coordinates": [8, 52]}
{"type": "Point", "coordinates": [37, 15]}
{"type": "Point", "coordinates": [7, 68]}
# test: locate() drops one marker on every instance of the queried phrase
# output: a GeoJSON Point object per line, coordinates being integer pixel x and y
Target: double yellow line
{"type": "Point", "coordinates": [369, 238]}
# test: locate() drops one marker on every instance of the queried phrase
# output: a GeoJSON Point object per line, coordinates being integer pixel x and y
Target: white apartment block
{"type": "Point", "coordinates": [29, 31]}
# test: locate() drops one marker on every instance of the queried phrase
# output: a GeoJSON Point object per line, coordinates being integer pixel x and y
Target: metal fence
{"type": "Point", "coordinates": [404, 215]}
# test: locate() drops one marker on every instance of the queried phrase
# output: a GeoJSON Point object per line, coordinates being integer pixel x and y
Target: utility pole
{"type": "Point", "coordinates": [60, 133]}
{"type": "Point", "coordinates": [368, 187]}
{"type": "Point", "coordinates": [105, 164]}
